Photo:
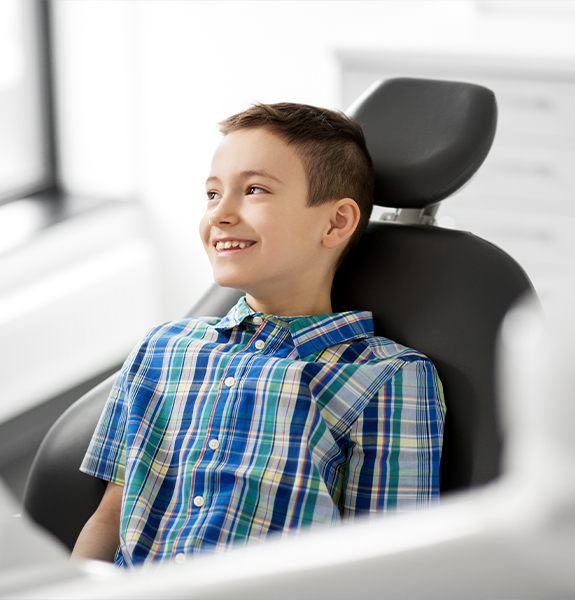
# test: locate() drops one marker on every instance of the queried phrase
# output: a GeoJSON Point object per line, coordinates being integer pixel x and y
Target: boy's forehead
{"type": "Point", "coordinates": [252, 151]}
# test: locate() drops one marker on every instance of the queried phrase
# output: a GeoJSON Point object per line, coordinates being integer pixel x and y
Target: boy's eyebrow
{"type": "Point", "coordinates": [246, 174]}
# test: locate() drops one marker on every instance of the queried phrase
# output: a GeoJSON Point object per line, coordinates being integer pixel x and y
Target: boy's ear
{"type": "Point", "coordinates": [344, 218]}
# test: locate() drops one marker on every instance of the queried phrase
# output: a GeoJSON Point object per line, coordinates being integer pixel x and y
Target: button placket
{"type": "Point", "coordinates": [226, 398]}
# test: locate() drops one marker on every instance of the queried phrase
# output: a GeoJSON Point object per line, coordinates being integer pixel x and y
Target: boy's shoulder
{"type": "Point", "coordinates": [187, 326]}
{"type": "Point", "coordinates": [384, 348]}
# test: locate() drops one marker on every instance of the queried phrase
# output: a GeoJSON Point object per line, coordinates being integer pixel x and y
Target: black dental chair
{"type": "Point", "coordinates": [442, 291]}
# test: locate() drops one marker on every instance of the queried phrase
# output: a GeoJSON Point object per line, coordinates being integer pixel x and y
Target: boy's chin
{"type": "Point", "coordinates": [229, 282]}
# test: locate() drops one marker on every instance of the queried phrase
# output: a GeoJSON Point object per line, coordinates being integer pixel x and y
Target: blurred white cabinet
{"type": "Point", "coordinates": [523, 198]}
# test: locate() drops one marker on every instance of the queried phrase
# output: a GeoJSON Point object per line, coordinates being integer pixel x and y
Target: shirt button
{"type": "Point", "coordinates": [229, 381]}
{"type": "Point", "coordinates": [214, 444]}
{"type": "Point", "coordinates": [180, 558]}
{"type": "Point", "coordinates": [258, 320]}
{"type": "Point", "coordinates": [260, 344]}
{"type": "Point", "coordinates": [199, 501]}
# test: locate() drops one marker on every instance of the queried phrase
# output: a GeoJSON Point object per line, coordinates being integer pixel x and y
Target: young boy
{"type": "Point", "coordinates": [282, 415]}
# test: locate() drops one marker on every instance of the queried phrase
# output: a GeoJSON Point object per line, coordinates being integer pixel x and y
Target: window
{"type": "Point", "coordinates": [26, 158]}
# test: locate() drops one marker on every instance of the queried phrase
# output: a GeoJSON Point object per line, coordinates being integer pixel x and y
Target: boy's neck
{"type": "Point", "coordinates": [292, 305]}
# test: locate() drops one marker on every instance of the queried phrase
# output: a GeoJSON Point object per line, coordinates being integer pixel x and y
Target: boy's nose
{"type": "Point", "coordinates": [217, 219]}
{"type": "Point", "coordinates": [223, 214]}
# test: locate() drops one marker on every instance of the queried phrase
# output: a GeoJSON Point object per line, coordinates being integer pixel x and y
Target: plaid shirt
{"type": "Point", "coordinates": [227, 430]}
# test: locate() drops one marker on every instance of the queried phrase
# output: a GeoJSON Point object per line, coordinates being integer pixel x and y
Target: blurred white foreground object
{"type": "Point", "coordinates": [513, 539]}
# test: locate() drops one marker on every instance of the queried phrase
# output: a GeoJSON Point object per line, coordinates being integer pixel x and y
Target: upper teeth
{"type": "Point", "coordinates": [226, 245]}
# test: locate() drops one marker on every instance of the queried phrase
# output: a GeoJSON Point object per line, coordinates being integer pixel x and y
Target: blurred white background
{"type": "Point", "coordinates": [177, 69]}
{"type": "Point", "coordinates": [142, 85]}
{"type": "Point", "coordinates": [138, 89]}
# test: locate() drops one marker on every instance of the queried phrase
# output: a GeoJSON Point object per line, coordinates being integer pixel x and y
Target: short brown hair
{"type": "Point", "coordinates": [331, 146]}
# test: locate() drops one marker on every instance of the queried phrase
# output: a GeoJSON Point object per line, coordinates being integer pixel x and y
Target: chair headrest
{"type": "Point", "coordinates": [427, 138]}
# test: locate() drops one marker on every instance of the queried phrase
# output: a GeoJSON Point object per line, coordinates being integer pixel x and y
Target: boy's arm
{"type": "Point", "coordinates": [394, 446]}
{"type": "Point", "coordinates": [100, 537]}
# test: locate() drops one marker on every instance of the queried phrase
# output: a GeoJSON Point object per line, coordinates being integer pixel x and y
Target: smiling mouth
{"type": "Point", "coordinates": [231, 245]}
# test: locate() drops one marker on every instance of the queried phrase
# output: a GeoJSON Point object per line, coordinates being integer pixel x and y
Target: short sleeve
{"type": "Point", "coordinates": [106, 454]}
{"type": "Point", "coordinates": [105, 457]}
{"type": "Point", "coordinates": [394, 446]}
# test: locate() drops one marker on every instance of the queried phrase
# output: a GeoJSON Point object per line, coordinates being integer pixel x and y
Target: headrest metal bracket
{"type": "Point", "coordinates": [412, 216]}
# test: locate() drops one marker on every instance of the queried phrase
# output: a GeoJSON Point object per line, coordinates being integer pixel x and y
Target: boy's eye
{"type": "Point", "coordinates": [254, 189]}
{"type": "Point", "coordinates": [213, 195]}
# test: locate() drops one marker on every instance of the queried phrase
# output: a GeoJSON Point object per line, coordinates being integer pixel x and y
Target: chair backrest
{"type": "Point", "coordinates": [443, 292]}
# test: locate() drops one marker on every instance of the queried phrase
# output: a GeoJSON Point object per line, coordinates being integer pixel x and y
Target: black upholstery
{"type": "Point", "coordinates": [427, 138]}
{"type": "Point", "coordinates": [443, 292]}
{"type": "Point", "coordinates": [458, 289]}
{"type": "Point", "coordinates": [58, 496]}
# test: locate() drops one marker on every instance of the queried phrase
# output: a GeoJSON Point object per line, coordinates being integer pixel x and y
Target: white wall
{"type": "Point", "coordinates": [143, 84]}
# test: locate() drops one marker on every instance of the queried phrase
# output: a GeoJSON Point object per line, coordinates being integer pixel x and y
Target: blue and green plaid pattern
{"type": "Point", "coordinates": [225, 431]}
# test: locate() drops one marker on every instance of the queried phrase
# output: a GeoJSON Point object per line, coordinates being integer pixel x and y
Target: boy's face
{"type": "Point", "coordinates": [259, 233]}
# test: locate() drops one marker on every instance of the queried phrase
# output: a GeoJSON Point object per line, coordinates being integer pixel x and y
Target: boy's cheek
{"type": "Point", "coordinates": [209, 251]}
{"type": "Point", "coordinates": [204, 230]}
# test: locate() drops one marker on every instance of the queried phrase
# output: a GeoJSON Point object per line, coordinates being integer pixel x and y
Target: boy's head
{"type": "Point", "coordinates": [332, 149]}
{"type": "Point", "coordinates": [290, 189]}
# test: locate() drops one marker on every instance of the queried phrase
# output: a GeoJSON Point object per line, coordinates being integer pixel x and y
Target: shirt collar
{"type": "Point", "coordinates": [236, 315]}
{"type": "Point", "coordinates": [312, 332]}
